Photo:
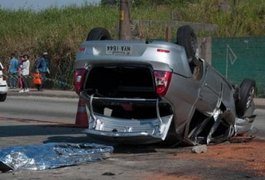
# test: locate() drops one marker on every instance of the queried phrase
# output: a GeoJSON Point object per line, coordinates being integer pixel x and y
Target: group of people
{"type": "Point", "coordinates": [19, 71]}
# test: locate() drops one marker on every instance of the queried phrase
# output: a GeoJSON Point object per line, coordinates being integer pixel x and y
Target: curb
{"type": "Point", "coordinates": [44, 93]}
{"type": "Point", "coordinates": [260, 103]}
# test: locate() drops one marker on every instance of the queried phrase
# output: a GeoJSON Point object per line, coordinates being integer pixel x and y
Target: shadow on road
{"type": "Point", "coordinates": [33, 130]}
{"type": "Point", "coordinates": [122, 149]}
{"type": "Point", "coordinates": [69, 139]}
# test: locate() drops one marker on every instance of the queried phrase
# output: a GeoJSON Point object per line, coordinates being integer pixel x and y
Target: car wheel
{"type": "Point", "coordinates": [2, 97]}
{"type": "Point", "coordinates": [247, 93]}
{"type": "Point", "coordinates": [187, 38]}
{"type": "Point", "coordinates": [98, 33]}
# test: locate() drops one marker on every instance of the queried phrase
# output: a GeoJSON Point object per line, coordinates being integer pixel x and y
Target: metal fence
{"type": "Point", "coordinates": [239, 58]}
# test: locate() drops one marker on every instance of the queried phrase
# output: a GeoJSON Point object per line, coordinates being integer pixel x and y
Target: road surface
{"type": "Point", "coordinates": [40, 108]}
{"type": "Point", "coordinates": [21, 125]}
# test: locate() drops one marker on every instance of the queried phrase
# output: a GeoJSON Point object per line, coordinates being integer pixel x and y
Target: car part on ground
{"type": "Point", "coordinates": [153, 91]}
{"type": "Point", "coordinates": [3, 84]}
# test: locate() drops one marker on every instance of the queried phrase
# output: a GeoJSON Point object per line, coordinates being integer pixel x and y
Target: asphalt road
{"type": "Point", "coordinates": [52, 109]}
{"type": "Point", "coordinates": [37, 120]}
{"type": "Point", "coordinates": [63, 110]}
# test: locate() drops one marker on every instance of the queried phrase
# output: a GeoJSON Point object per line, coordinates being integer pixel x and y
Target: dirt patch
{"type": "Point", "coordinates": [173, 177]}
{"type": "Point", "coordinates": [249, 155]}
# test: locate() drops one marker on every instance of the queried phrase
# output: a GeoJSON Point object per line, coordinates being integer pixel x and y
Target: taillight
{"type": "Point", "coordinates": [162, 80]}
{"type": "Point", "coordinates": [79, 77]}
{"type": "Point", "coordinates": [163, 50]}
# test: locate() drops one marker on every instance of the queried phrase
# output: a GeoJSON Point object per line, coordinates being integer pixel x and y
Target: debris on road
{"type": "Point", "coordinates": [199, 149]}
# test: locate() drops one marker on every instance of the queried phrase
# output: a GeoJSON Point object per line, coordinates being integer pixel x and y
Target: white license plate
{"type": "Point", "coordinates": [118, 50]}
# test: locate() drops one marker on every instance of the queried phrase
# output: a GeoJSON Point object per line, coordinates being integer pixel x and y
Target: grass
{"type": "Point", "coordinates": [60, 31]}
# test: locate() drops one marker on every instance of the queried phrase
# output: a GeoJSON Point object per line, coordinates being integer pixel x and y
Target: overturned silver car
{"type": "Point", "coordinates": [140, 92]}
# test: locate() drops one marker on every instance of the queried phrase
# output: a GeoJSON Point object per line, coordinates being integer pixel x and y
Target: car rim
{"type": "Point", "coordinates": [250, 97]}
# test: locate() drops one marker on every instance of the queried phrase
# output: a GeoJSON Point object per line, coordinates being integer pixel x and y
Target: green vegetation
{"type": "Point", "coordinates": [60, 31]}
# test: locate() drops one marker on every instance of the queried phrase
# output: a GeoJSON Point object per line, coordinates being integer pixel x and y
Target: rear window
{"type": "Point", "coordinates": [121, 81]}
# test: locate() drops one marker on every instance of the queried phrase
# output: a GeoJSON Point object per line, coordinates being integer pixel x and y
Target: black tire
{"type": "Point", "coordinates": [98, 33]}
{"type": "Point", "coordinates": [247, 92]}
{"type": "Point", "coordinates": [187, 38]}
{"type": "Point", "coordinates": [2, 97]}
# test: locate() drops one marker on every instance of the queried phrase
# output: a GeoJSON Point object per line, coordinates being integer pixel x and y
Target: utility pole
{"type": "Point", "coordinates": [124, 28]}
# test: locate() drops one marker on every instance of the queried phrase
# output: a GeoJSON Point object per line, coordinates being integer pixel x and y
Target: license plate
{"type": "Point", "coordinates": [118, 50]}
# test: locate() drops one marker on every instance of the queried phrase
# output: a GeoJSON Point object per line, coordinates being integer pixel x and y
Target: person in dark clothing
{"type": "Point", "coordinates": [42, 66]}
{"type": "Point", "coordinates": [13, 71]}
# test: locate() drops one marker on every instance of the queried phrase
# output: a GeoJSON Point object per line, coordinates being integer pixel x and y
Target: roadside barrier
{"type": "Point", "coordinates": [81, 119]}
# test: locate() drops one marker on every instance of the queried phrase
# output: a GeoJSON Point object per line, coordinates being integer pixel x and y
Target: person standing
{"type": "Point", "coordinates": [42, 66]}
{"type": "Point", "coordinates": [25, 65]}
{"type": "Point", "coordinates": [20, 78]}
{"type": "Point", "coordinates": [13, 71]}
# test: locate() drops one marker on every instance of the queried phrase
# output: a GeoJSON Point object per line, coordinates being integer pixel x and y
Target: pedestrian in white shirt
{"type": "Point", "coordinates": [25, 65]}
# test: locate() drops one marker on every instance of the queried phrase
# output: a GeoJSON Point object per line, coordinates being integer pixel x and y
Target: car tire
{"type": "Point", "coordinates": [247, 91]}
{"type": "Point", "coordinates": [98, 33]}
{"type": "Point", "coordinates": [2, 97]}
{"type": "Point", "coordinates": [187, 38]}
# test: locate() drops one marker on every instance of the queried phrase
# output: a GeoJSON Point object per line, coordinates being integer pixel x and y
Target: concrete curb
{"type": "Point", "coordinates": [44, 93]}
{"type": "Point", "coordinates": [260, 103]}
